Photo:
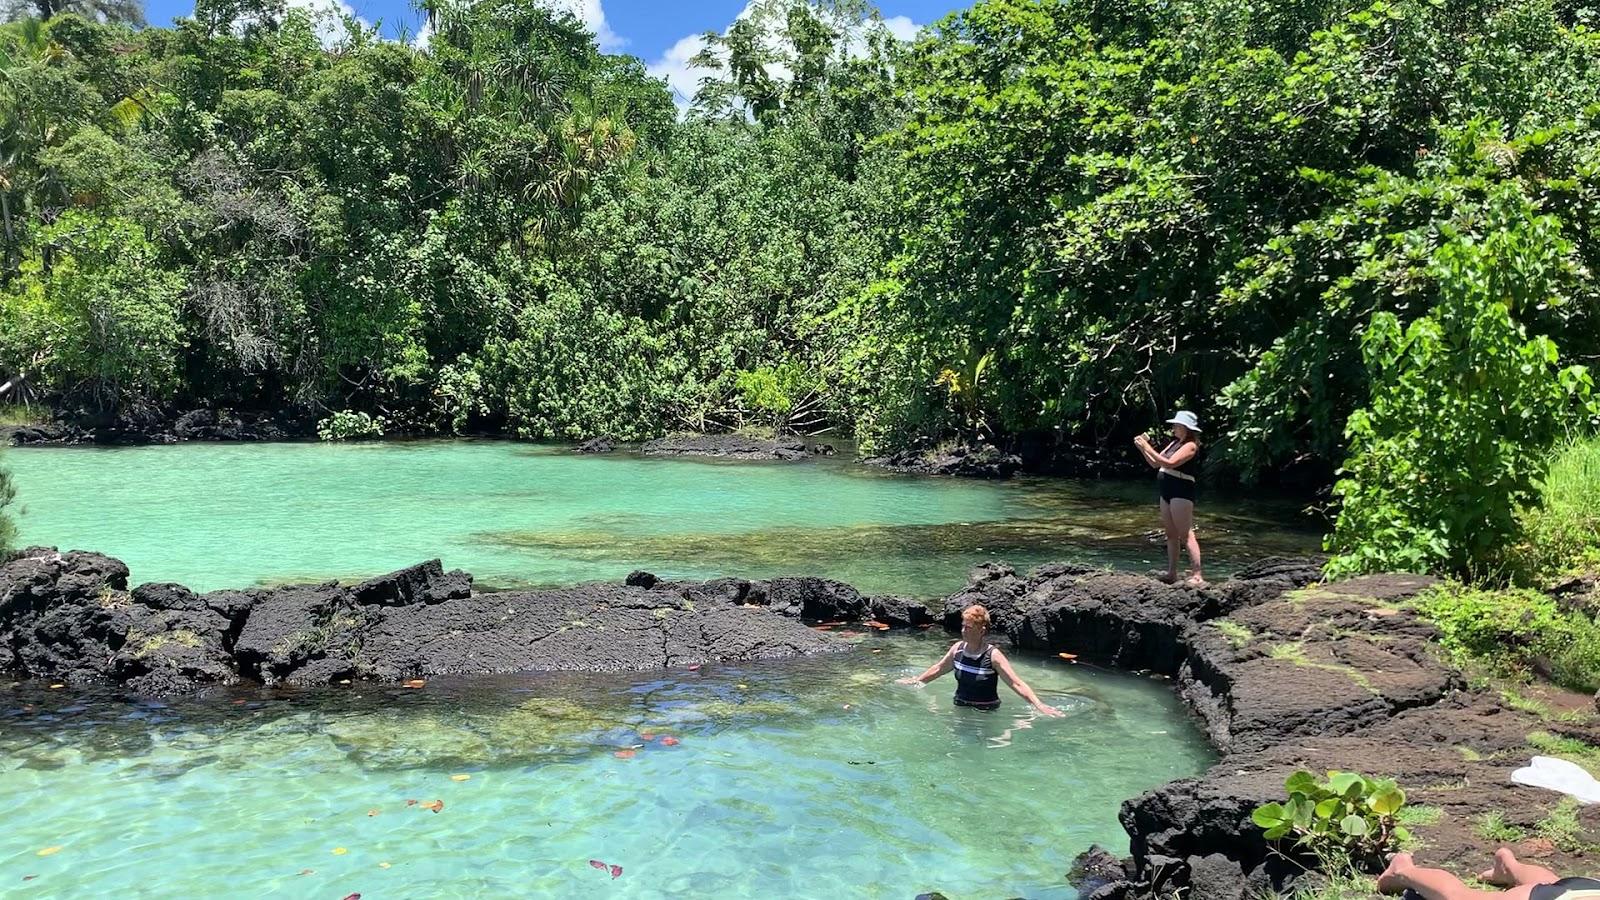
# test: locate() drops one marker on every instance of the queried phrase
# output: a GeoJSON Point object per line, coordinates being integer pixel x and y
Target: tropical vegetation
{"type": "Point", "coordinates": [1358, 236]}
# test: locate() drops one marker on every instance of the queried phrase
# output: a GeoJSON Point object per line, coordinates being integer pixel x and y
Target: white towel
{"type": "Point", "coordinates": [1559, 775]}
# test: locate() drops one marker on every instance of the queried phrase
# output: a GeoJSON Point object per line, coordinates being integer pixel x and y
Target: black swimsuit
{"type": "Point", "coordinates": [977, 684]}
{"type": "Point", "coordinates": [1178, 487]}
{"type": "Point", "coordinates": [1563, 888]}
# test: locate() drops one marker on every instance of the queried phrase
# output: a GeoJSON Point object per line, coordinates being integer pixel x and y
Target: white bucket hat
{"type": "Point", "coordinates": [1186, 419]}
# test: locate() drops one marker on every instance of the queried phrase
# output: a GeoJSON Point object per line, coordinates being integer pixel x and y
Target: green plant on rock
{"type": "Point", "coordinates": [346, 425]}
{"type": "Point", "coordinates": [1346, 816]}
{"type": "Point", "coordinates": [1516, 633]}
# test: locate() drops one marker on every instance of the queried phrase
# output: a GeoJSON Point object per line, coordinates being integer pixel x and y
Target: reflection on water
{"type": "Point", "coordinates": [747, 780]}
{"type": "Point", "coordinates": [217, 515]}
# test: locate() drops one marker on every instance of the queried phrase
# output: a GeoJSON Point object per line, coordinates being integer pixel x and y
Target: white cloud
{"type": "Point", "coordinates": [328, 19]}
{"type": "Point", "coordinates": [593, 17]}
{"type": "Point", "coordinates": [902, 27]}
{"type": "Point", "coordinates": [424, 35]}
{"type": "Point", "coordinates": [683, 78]}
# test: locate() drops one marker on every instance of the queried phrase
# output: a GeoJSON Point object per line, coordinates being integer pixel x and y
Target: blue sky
{"type": "Point", "coordinates": [661, 32]}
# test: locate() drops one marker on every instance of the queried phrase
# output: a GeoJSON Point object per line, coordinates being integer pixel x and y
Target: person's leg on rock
{"type": "Point", "coordinates": [1437, 884]}
{"type": "Point", "coordinates": [1174, 541]}
{"type": "Point", "coordinates": [1182, 513]}
{"type": "Point", "coordinates": [1508, 871]}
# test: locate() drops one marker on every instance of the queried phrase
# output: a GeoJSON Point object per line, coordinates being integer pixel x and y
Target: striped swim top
{"type": "Point", "coordinates": [976, 681]}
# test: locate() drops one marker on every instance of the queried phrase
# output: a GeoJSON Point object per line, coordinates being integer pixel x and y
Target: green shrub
{"type": "Point", "coordinates": [92, 312]}
{"type": "Point", "coordinates": [1463, 409]}
{"type": "Point", "coordinates": [1345, 817]}
{"type": "Point", "coordinates": [1516, 632]}
{"type": "Point", "coordinates": [346, 425]}
{"type": "Point", "coordinates": [1561, 533]}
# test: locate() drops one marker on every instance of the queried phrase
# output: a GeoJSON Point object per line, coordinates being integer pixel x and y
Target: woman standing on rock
{"type": "Point", "coordinates": [1176, 467]}
{"type": "Point", "coordinates": [979, 665]}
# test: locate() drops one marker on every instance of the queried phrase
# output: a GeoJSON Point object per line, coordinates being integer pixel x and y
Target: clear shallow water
{"type": "Point", "coordinates": [807, 778]}
{"type": "Point", "coordinates": [229, 515]}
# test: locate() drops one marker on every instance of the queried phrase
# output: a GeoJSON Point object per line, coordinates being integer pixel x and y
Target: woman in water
{"type": "Point", "coordinates": [1176, 467]}
{"type": "Point", "coordinates": [977, 664]}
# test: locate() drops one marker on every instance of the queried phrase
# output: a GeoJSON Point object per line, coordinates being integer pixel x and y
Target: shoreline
{"type": "Point", "coordinates": [1280, 671]}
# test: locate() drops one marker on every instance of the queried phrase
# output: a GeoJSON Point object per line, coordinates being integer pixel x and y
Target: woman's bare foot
{"type": "Point", "coordinates": [1168, 578]}
{"type": "Point", "coordinates": [1500, 873]}
{"type": "Point", "coordinates": [1393, 880]}
{"type": "Point", "coordinates": [1196, 580]}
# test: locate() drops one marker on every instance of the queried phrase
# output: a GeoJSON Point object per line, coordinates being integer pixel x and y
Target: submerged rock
{"type": "Point", "coordinates": [729, 446]}
{"type": "Point", "coordinates": [596, 445]}
{"type": "Point", "coordinates": [986, 461]}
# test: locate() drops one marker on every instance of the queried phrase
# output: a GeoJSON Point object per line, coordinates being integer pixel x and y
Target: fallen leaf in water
{"type": "Point", "coordinates": [877, 649]}
{"type": "Point", "coordinates": [694, 667]}
{"type": "Point", "coordinates": [372, 812]}
{"type": "Point", "coordinates": [615, 871]}
{"type": "Point", "coordinates": [50, 851]}
{"type": "Point", "coordinates": [29, 877]}
{"type": "Point", "coordinates": [597, 864]}
{"type": "Point", "coordinates": [742, 687]}
{"type": "Point", "coordinates": [624, 754]}
{"type": "Point", "coordinates": [383, 865]}
{"type": "Point", "coordinates": [353, 897]}
{"type": "Point", "coordinates": [415, 683]}
{"type": "Point", "coordinates": [240, 702]}
{"type": "Point", "coordinates": [669, 741]}
{"type": "Point", "coordinates": [411, 803]}
{"type": "Point", "coordinates": [1067, 655]}
{"type": "Point", "coordinates": [339, 851]}
{"type": "Point", "coordinates": [436, 806]}
{"type": "Point", "coordinates": [847, 706]}
{"type": "Point", "coordinates": [462, 777]}
{"type": "Point", "coordinates": [55, 687]}
{"type": "Point", "coordinates": [647, 736]}
{"type": "Point", "coordinates": [347, 681]}
{"type": "Point", "coordinates": [308, 871]}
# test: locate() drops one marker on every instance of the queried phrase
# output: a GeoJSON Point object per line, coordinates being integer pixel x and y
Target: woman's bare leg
{"type": "Point", "coordinates": [1437, 884]}
{"type": "Point", "coordinates": [1183, 525]}
{"type": "Point", "coordinates": [1174, 538]}
{"type": "Point", "coordinates": [1508, 871]}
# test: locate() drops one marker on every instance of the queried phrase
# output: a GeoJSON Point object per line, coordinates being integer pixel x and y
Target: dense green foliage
{"type": "Point", "coordinates": [1517, 633]}
{"type": "Point", "coordinates": [1561, 532]}
{"type": "Point", "coordinates": [1357, 232]}
{"type": "Point", "coordinates": [506, 231]}
{"type": "Point", "coordinates": [1343, 817]}
{"type": "Point", "coordinates": [1464, 409]}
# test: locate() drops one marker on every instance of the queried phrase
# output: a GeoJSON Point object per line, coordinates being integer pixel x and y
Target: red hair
{"type": "Point", "coordinates": [976, 614]}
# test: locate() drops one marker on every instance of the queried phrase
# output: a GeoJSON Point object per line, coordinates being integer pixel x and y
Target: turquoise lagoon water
{"type": "Point", "coordinates": [808, 778]}
{"type": "Point", "coordinates": [230, 515]}
{"type": "Point", "coordinates": [804, 778]}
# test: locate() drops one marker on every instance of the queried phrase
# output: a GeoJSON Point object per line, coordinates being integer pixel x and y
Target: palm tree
{"type": "Point", "coordinates": [124, 12]}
